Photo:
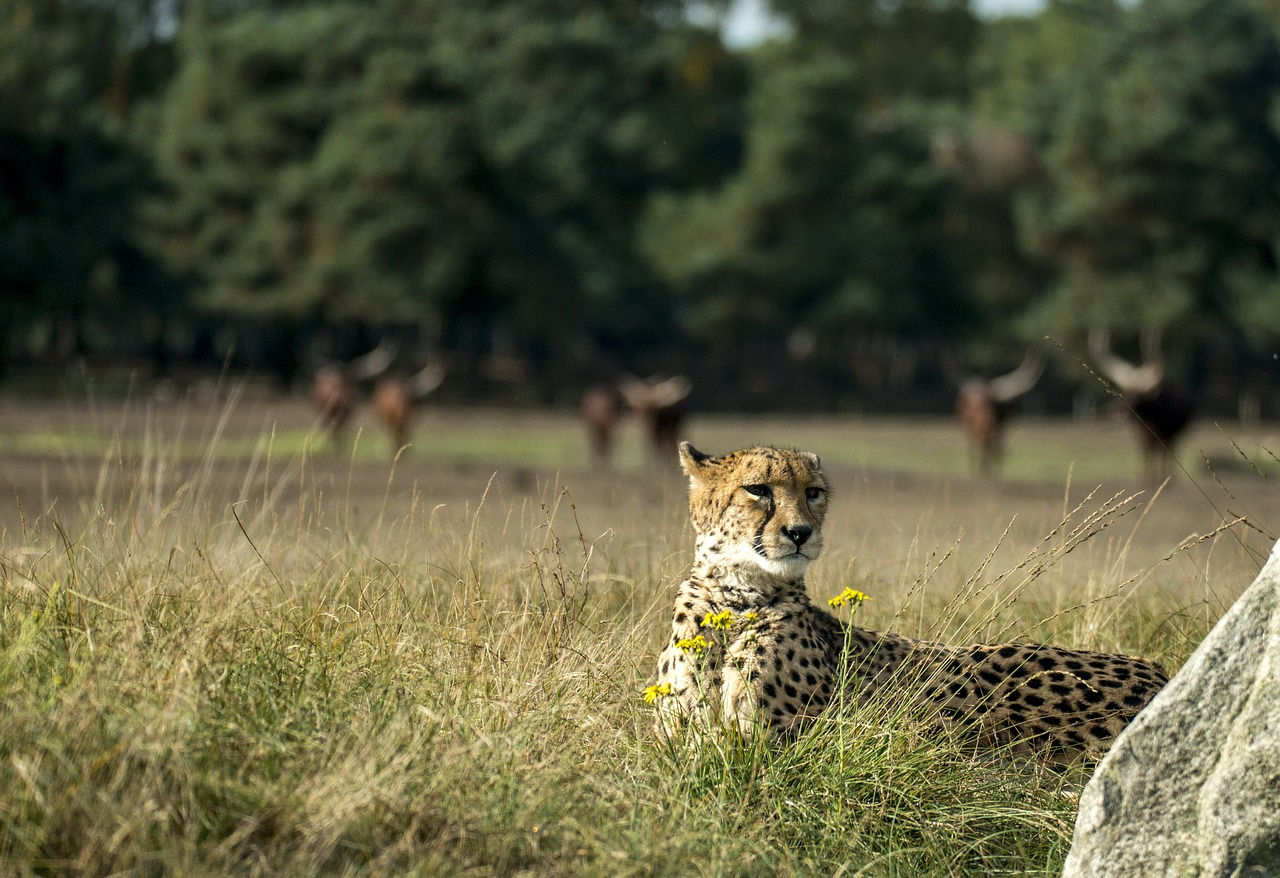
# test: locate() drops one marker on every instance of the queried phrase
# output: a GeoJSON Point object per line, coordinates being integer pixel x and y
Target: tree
{"type": "Point", "coordinates": [1162, 210]}
{"type": "Point", "coordinates": [904, 49]}
{"type": "Point", "coordinates": [583, 112]}
{"type": "Point", "coordinates": [1023, 67]}
{"type": "Point", "coordinates": [833, 222]}
{"type": "Point", "coordinates": [239, 132]}
{"type": "Point", "coordinates": [444, 163]}
{"type": "Point", "coordinates": [69, 179]}
{"type": "Point", "coordinates": [992, 152]}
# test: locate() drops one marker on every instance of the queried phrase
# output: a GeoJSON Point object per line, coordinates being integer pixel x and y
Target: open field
{"type": "Point", "coordinates": [226, 648]}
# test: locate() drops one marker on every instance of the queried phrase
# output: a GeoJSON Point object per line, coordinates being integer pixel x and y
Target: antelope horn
{"type": "Point", "coordinates": [374, 363]}
{"type": "Point", "coordinates": [1007, 388]}
{"type": "Point", "coordinates": [671, 391]}
{"type": "Point", "coordinates": [427, 380]}
{"type": "Point", "coordinates": [635, 392]}
{"type": "Point", "coordinates": [1128, 377]}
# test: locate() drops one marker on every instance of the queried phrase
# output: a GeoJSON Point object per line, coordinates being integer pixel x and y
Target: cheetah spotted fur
{"type": "Point", "coordinates": [776, 658]}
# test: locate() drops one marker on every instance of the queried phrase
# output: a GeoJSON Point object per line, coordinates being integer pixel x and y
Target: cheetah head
{"type": "Point", "coordinates": [759, 506]}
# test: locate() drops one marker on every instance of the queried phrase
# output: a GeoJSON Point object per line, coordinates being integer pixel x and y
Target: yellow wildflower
{"type": "Point", "coordinates": [722, 620]}
{"type": "Point", "coordinates": [653, 693]}
{"type": "Point", "coordinates": [751, 617]}
{"type": "Point", "coordinates": [849, 595]}
{"type": "Point", "coordinates": [693, 644]}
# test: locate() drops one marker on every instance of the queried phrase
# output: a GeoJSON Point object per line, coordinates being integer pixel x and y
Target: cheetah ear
{"type": "Point", "coordinates": [692, 461]}
{"type": "Point", "coordinates": [812, 458]}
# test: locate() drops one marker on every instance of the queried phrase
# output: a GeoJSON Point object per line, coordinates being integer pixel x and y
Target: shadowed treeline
{"type": "Point", "coordinates": [544, 196]}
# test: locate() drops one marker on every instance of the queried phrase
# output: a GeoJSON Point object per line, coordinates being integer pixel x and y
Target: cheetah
{"type": "Point", "coordinates": [749, 649]}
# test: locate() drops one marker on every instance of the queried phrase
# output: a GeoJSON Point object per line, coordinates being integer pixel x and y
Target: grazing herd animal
{"type": "Point", "coordinates": [334, 387]}
{"type": "Point", "coordinates": [983, 405]}
{"type": "Point", "coordinates": [601, 409]}
{"type": "Point", "coordinates": [656, 401]}
{"type": "Point", "coordinates": [659, 404]}
{"type": "Point", "coordinates": [335, 391]}
{"type": "Point", "coordinates": [1162, 409]}
{"type": "Point", "coordinates": [394, 398]}
{"type": "Point", "coordinates": [1159, 407]}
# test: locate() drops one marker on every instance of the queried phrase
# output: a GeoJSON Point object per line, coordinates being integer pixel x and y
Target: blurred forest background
{"type": "Point", "coordinates": [544, 194]}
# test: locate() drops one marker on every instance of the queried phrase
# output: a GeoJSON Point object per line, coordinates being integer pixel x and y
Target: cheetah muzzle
{"type": "Point", "coordinates": [749, 649]}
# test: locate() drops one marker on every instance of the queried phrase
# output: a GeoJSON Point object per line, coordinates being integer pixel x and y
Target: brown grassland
{"type": "Point", "coordinates": [228, 648]}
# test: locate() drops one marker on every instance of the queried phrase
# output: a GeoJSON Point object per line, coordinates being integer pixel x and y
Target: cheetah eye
{"type": "Point", "coordinates": [758, 490]}
{"type": "Point", "coordinates": [812, 494]}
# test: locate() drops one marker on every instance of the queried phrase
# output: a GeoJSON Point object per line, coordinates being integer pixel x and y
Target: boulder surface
{"type": "Point", "coordinates": [1192, 786]}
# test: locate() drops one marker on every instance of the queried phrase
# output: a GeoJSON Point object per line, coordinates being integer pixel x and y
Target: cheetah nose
{"type": "Point", "coordinates": [798, 533]}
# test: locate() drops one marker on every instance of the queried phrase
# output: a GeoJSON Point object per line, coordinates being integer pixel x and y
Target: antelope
{"type": "Point", "coordinates": [1161, 409]}
{"type": "Point", "coordinates": [333, 387]}
{"type": "Point", "coordinates": [601, 407]}
{"type": "Point", "coordinates": [657, 403]}
{"type": "Point", "coordinates": [394, 398]}
{"type": "Point", "coordinates": [983, 406]}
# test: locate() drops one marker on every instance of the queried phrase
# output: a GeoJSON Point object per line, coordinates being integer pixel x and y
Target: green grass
{"type": "Point", "coordinates": [534, 448]}
{"type": "Point", "coordinates": [359, 718]}
{"type": "Point", "coordinates": [1038, 450]}
{"type": "Point", "coordinates": [280, 687]}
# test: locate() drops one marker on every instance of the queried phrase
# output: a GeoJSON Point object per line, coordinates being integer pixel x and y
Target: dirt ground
{"type": "Point", "coordinates": [903, 495]}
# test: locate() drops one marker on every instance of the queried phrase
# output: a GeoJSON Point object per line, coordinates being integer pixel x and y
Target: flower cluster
{"type": "Point", "coordinates": [750, 617]}
{"type": "Point", "coordinates": [653, 693]}
{"type": "Point", "coordinates": [849, 595]}
{"type": "Point", "coordinates": [694, 645]}
{"type": "Point", "coordinates": [721, 621]}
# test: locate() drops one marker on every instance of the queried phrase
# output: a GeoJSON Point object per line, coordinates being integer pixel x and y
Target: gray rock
{"type": "Point", "coordinates": [1192, 786]}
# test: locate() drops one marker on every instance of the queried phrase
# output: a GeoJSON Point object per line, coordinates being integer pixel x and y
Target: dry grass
{"type": "Point", "coordinates": [223, 650]}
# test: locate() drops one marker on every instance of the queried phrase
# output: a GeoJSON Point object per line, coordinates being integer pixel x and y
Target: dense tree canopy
{"type": "Point", "coordinates": [1161, 208]}
{"type": "Point", "coordinates": [832, 221]}
{"type": "Point", "coordinates": [607, 186]}
{"type": "Point", "coordinates": [912, 49]}
{"type": "Point", "coordinates": [69, 181]}
{"type": "Point", "coordinates": [439, 162]}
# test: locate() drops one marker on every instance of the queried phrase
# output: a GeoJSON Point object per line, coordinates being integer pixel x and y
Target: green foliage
{"type": "Point", "coordinates": [280, 689]}
{"type": "Point", "coordinates": [592, 187]}
{"type": "Point", "coordinates": [430, 161]}
{"type": "Point", "coordinates": [876, 787]}
{"type": "Point", "coordinates": [912, 49]}
{"type": "Point", "coordinates": [1161, 158]}
{"type": "Point", "coordinates": [832, 222]}
{"type": "Point", "coordinates": [68, 178]}
{"type": "Point", "coordinates": [582, 113]}
{"type": "Point", "coordinates": [1022, 65]}
{"type": "Point", "coordinates": [242, 130]}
